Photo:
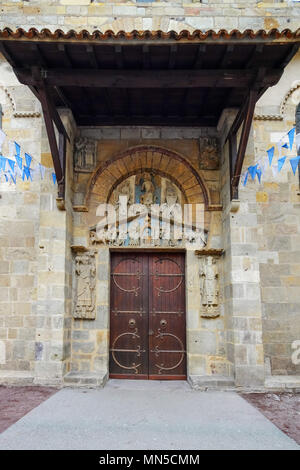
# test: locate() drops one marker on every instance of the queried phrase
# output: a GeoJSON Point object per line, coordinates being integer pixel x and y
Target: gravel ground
{"type": "Point", "coordinates": [283, 409]}
{"type": "Point", "coordinates": [15, 402]}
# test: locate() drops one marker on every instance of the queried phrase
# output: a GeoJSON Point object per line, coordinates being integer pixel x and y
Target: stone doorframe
{"type": "Point", "coordinates": [206, 349]}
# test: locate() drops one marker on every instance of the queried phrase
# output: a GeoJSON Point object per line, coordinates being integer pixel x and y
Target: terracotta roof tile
{"type": "Point", "coordinates": [97, 35]}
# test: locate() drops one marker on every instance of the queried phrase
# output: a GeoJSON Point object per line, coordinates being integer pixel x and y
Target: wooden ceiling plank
{"type": "Point", "coordinates": [92, 56]}
{"type": "Point", "coordinates": [119, 57]}
{"type": "Point", "coordinates": [172, 56]}
{"type": "Point", "coordinates": [254, 56]}
{"type": "Point", "coordinates": [66, 58]}
{"type": "Point", "coordinates": [225, 58]}
{"type": "Point", "coordinates": [146, 57]}
{"type": "Point", "coordinates": [200, 56]}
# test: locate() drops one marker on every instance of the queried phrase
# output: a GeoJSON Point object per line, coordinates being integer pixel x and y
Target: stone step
{"type": "Point", "coordinates": [204, 382]}
{"type": "Point", "coordinates": [85, 379]}
{"type": "Point", "coordinates": [283, 383]}
{"type": "Point", "coordinates": [16, 377]}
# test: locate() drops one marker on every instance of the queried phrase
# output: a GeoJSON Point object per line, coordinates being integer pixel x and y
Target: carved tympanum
{"type": "Point", "coordinates": [85, 270]}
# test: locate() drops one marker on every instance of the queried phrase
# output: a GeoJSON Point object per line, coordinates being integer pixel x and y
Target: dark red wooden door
{"type": "Point", "coordinates": [167, 343]}
{"type": "Point", "coordinates": [147, 320]}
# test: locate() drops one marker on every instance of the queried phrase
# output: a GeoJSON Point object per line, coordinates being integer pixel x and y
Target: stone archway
{"type": "Point", "coordinates": [146, 158]}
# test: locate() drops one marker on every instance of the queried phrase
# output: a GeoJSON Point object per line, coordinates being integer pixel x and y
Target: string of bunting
{"type": "Point", "coordinates": [260, 166]}
{"type": "Point", "coordinates": [14, 166]}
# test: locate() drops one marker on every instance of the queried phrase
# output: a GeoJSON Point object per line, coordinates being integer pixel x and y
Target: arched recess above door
{"type": "Point", "coordinates": [147, 158]}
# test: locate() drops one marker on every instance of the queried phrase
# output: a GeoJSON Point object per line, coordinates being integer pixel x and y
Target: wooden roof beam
{"type": "Point", "coordinates": [224, 61]}
{"type": "Point", "coordinates": [237, 163]}
{"type": "Point", "coordinates": [149, 78]}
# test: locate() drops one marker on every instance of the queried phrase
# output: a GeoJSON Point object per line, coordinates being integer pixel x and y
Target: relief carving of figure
{"type": "Point", "coordinates": [209, 153]}
{"type": "Point", "coordinates": [86, 282]}
{"type": "Point", "coordinates": [209, 287]}
{"type": "Point", "coordinates": [84, 154]}
{"type": "Point", "coordinates": [148, 188]}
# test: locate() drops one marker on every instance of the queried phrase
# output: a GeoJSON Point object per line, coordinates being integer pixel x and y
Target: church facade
{"type": "Point", "coordinates": [155, 252]}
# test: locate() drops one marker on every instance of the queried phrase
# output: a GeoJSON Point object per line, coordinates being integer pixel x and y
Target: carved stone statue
{"type": "Point", "coordinates": [147, 197]}
{"type": "Point", "coordinates": [85, 286]}
{"type": "Point", "coordinates": [84, 154]}
{"type": "Point", "coordinates": [209, 153]}
{"type": "Point", "coordinates": [209, 287]}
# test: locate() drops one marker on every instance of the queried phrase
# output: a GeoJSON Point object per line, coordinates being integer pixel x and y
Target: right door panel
{"type": "Point", "coordinates": [167, 331]}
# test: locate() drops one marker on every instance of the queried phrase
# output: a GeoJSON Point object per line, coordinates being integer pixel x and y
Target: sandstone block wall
{"type": "Point", "coordinates": [151, 15]}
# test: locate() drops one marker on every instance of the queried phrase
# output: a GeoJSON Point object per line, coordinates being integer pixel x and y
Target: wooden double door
{"type": "Point", "coordinates": [147, 316]}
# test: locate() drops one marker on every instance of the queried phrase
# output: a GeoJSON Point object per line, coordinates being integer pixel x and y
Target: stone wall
{"type": "Point", "coordinates": [19, 239]}
{"type": "Point", "coordinates": [36, 267]}
{"type": "Point", "coordinates": [269, 229]}
{"type": "Point", "coordinates": [152, 15]}
{"type": "Point", "coordinates": [278, 231]}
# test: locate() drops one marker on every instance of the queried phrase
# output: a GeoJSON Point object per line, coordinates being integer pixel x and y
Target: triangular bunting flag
{"type": "Point", "coordinates": [54, 177]}
{"type": "Point", "coordinates": [279, 149]}
{"type": "Point", "coordinates": [27, 173]}
{"type": "Point", "coordinates": [28, 159]}
{"type": "Point", "coordinates": [294, 163]}
{"type": "Point", "coordinates": [13, 176]}
{"type": "Point", "coordinates": [11, 164]}
{"type": "Point", "coordinates": [19, 161]}
{"type": "Point", "coordinates": [42, 171]}
{"type": "Point", "coordinates": [252, 171]}
{"type": "Point", "coordinates": [2, 163]}
{"type": "Point", "coordinates": [285, 146]}
{"type": "Point", "coordinates": [2, 138]}
{"type": "Point", "coordinates": [18, 149]}
{"type": "Point", "coordinates": [298, 142]}
{"type": "Point", "coordinates": [291, 135]}
{"type": "Point", "coordinates": [280, 163]}
{"type": "Point", "coordinates": [259, 173]}
{"type": "Point", "coordinates": [246, 179]}
{"type": "Point", "coordinates": [270, 153]}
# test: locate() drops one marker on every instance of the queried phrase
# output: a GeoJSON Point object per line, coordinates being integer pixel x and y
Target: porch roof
{"type": "Point", "coordinates": [148, 77]}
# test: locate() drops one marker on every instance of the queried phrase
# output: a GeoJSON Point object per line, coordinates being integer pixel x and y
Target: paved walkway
{"type": "Point", "coordinates": [144, 415]}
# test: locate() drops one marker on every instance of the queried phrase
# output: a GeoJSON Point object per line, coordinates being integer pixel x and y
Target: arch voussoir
{"type": "Point", "coordinates": [149, 158]}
